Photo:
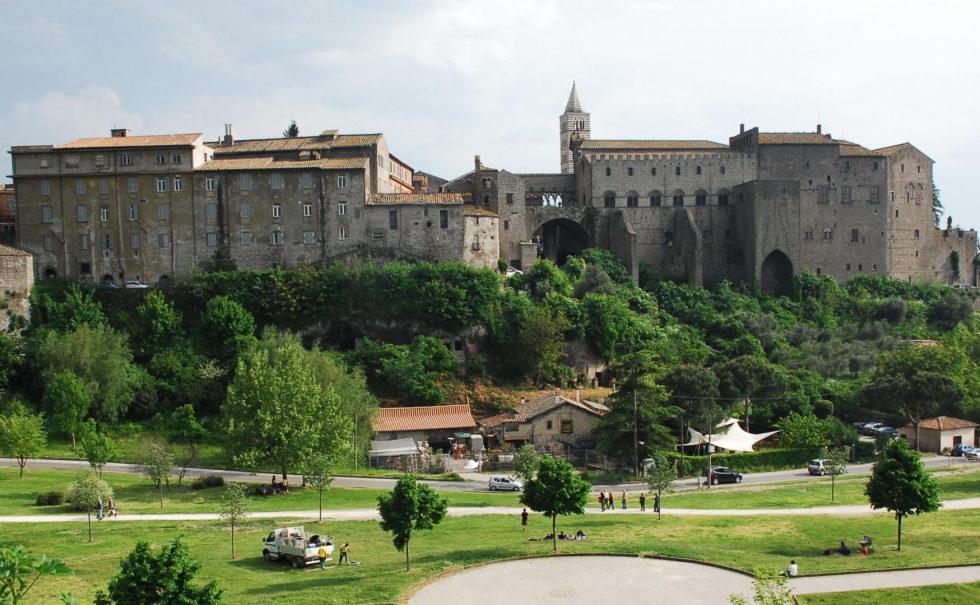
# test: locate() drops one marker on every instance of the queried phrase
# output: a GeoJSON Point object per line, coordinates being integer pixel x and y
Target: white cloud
{"type": "Point", "coordinates": [58, 117]}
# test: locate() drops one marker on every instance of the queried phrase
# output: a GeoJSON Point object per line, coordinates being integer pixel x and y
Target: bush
{"type": "Point", "coordinates": [208, 481]}
{"type": "Point", "coordinates": [865, 451]}
{"type": "Point", "coordinates": [53, 498]}
{"type": "Point", "coordinates": [746, 462]}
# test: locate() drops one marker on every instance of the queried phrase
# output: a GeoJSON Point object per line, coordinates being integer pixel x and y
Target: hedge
{"type": "Point", "coordinates": [208, 481]}
{"type": "Point", "coordinates": [53, 498]}
{"type": "Point", "coordinates": [745, 462]}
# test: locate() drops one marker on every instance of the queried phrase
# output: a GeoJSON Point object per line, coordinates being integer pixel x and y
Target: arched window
{"type": "Point", "coordinates": [632, 200]}
{"type": "Point", "coordinates": [808, 233]}
{"type": "Point", "coordinates": [656, 199]}
{"type": "Point", "coordinates": [828, 233]}
{"type": "Point", "coordinates": [723, 197]}
{"type": "Point", "coordinates": [678, 197]}
{"type": "Point", "coordinates": [609, 199]}
{"type": "Point", "coordinates": [608, 171]}
{"type": "Point", "coordinates": [700, 197]}
{"type": "Point", "coordinates": [916, 234]}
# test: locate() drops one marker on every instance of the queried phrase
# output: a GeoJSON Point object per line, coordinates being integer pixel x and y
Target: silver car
{"type": "Point", "coordinates": [505, 483]}
{"type": "Point", "coordinates": [816, 467]}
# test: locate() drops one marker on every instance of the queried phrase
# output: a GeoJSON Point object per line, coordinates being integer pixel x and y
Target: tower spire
{"type": "Point", "coordinates": [573, 105]}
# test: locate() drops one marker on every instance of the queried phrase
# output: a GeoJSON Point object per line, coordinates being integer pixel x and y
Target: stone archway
{"type": "Point", "coordinates": [50, 273]}
{"type": "Point", "coordinates": [561, 238]}
{"type": "Point", "coordinates": [777, 274]}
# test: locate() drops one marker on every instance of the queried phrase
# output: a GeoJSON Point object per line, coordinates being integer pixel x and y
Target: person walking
{"type": "Point", "coordinates": [624, 499]}
{"type": "Point", "coordinates": [524, 517]}
{"type": "Point", "coordinates": [602, 501]}
{"type": "Point", "coordinates": [98, 509]}
{"type": "Point", "coordinates": [656, 503]}
{"type": "Point", "coordinates": [321, 554]}
{"type": "Point", "coordinates": [344, 554]}
{"type": "Point", "coordinates": [610, 501]}
{"type": "Point", "coordinates": [112, 507]}
{"type": "Point", "coordinates": [643, 503]}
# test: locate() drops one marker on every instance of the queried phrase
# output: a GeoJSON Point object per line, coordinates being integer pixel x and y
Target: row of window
{"type": "Point", "coordinates": [162, 183]}
{"type": "Point", "coordinates": [656, 198]}
{"type": "Point", "coordinates": [276, 181]}
{"type": "Point", "coordinates": [653, 170]}
{"type": "Point", "coordinates": [828, 234]}
{"type": "Point", "coordinates": [163, 212]}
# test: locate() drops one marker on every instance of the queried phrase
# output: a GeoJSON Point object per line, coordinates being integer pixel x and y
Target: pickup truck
{"type": "Point", "coordinates": [292, 544]}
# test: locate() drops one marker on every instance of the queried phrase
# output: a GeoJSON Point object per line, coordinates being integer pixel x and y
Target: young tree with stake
{"type": "Point", "coordinates": [556, 490]}
{"type": "Point", "coordinates": [899, 483]}
{"type": "Point", "coordinates": [410, 507]}
{"type": "Point", "coordinates": [661, 476]}
{"type": "Point", "coordinates": [85, 492]}
{"type": "Point", "coordinates": [316, 470]}
{"type": "Point", "coordinates": [234, 507]}
{"type": "Point", "coordinates": [158, 464]}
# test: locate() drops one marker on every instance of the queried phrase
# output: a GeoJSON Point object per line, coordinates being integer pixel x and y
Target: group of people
{"type": "Point", "coordinates": [280, 487]}
{"type": "Point", "coordinates": [321, 554]}
{"type": "Point", "coordinates": [100, 510]}
{"type": "Point", "coordinates": [608, 502]}
{"type": "Point", "coordinates": [843, 549]}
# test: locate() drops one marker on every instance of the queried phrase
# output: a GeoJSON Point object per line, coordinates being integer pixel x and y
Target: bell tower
{"type": "Point", "coordinates": [573, 122]}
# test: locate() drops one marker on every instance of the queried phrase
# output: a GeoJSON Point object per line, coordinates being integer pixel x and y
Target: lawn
{"type": "Point", "coordinates": [135, 494]}
{"type": "Point", "coordinates": [925, 595]}
{"type": "Point", "coordinates": [745, 543]}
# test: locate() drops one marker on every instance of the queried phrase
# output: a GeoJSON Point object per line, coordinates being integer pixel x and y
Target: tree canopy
{"type": "Point", "coordinates": [556, 490]}
{"type": "Point", "coordinates": [147, 578]}
{"type": "Point", "coordinates": [410, 507]}
{"type": "Point", "coordinates": [899, 483]}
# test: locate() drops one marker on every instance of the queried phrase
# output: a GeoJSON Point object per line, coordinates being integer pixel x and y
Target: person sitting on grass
{"type": "Point", "coordinates": [792, 571]}
{"type": "Point", "coordinates": [844, 550]}
{"type": "Point", "coordinates": [562, 535]}
{"type": "Point", "coordinates": [580, 535]}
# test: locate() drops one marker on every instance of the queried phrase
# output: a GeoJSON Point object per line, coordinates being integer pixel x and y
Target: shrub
{"type": "Point", "coordinates": [865, 451]}
{"type": "Point", "coordinates": [208, 481]}
{"type": "Point", "coordinates": [745, 462]}
{"type": "Point", "coordinates": [52, 498]}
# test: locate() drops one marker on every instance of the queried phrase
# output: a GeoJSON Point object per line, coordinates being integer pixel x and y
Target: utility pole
{"type": "Point", "coordinates": [636, 442]}
{"type": "Point", "coordinates": [710, 428]}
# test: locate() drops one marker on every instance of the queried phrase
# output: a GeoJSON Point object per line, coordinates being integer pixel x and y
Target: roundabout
{"type": "Point", "coordinates": [586, 580]}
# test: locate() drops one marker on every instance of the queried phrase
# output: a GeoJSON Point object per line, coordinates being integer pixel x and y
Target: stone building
{"type": "Point", "coordinates": [16, 282]}
{"type": "Point", "coordinates": [8, 215]}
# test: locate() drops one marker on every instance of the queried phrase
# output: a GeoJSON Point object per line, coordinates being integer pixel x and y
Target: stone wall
{"type": "Point", "coordinates": [16, 282]}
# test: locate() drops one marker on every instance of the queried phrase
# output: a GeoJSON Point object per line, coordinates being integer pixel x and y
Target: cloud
{"type": "Point", "coordinates": [57, 117]}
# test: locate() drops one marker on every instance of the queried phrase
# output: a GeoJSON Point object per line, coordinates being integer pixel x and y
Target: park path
{"type": "Point", "coordinates": [371, 514]}
{"type": "Point", "coordinates": [886, 579]}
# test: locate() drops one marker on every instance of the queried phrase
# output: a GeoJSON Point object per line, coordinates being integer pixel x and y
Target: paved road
{"type": "Point", "coordinates": [886, 579]}
{"type": "Point", "coordinates": [474, 482]}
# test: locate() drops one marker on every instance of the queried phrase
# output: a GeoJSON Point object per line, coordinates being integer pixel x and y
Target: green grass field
{"type": "Point", "coordinates": [948, 594]}
{"type": "Point", "coordinates": [745, 543]}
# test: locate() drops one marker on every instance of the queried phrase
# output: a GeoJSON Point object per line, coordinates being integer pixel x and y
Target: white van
{"type": "Point", "coordinates": [503, 482]}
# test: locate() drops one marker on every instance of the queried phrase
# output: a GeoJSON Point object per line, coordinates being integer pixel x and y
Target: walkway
{"type": "Point", "coordinates": [886, 579]}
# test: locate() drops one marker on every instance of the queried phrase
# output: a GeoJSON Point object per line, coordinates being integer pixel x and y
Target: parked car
{"type": "Point", "coordinates": [107, 284]}
{"type": "Point", "coordinates": [973, 455]}
{"type": "Point", "coordinates": [722, 474]}
{"type": "Point", "coordinates": [870, 428]}
{"type": "Point", "coordinates": [890, 431]}
{"type": "Point", "coordinates": [962, 449]}
{"type": "Point", "coordinates": [135, 283]}
{"type": "Point", "coordinates": [816, 467]}
{"type": "Point", "coordinates": [503, 482]}
{"type": "Point", "coordinates": [859, 424]}
{"type": "Point", "coordinates": [293, 545]}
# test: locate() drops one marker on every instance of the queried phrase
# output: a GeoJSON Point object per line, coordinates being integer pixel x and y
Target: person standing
{"type": "Point", "coordinates": [98, 510]}
{"type": "Point", "coordinates": [524, 517]}
{"type": "Point", "coordinates": [643, 503]}
{"type": "Point", "coordinates": [656, 503]}
{"type": "Point", "coordinates": [112, 507]}
{"type": "Point", "coordinates": [602, 501]}
{"type": "Point", "coordinates": [344, 554]}
{"type": "Point", "coordinates": [624, 499]}
{"type": "Point", "coordinates": [321, 554]}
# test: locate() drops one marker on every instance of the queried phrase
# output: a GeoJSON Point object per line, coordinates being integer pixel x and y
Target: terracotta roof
{"type": "Point", "coordinates": [11, 251]}
{"type": "Point", "coordinates": [943, 423]}
{"type": "Point", "coordinates": [637, 145]}
{"type": "Point", "coordinates": [890, 149]}
{"type": "Point", "coordinates": [268, 163]}
{"type": "Point", "coordinates": [542, 405]}
{"type": "Point", "coordinates": [418, 198]}
{"type": "Point", "coordinates": [324, 141]}
{"type": "Point", "coordinates": [423, 418]}
{"type": "Point", "coordinates": [848, 149]}
{"type": "Point", "coordinates": [156, 140]}
{"type": "Point", "coordinates": [795, 138]}
{"type": "Point", "coordinates": [471, 210]}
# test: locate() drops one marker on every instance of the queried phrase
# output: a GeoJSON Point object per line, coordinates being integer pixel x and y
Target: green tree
{"type": "Point", "coordinates": [77, 309]}
{"type": "Point", "coordinates": [233, 506]}
{"type": "Point", "coordinates": [166, 578]}
{"type": "Point", "coordinates": [899, 483]}
{"type": "Point", "coordinates": [10, 358]}
{"type": "Point", "coordinates": [317, 472]}
{"type": "Point", "coordinates": [22, 436]}
{"type": "Point", "coordinates": [20, 571]}
{"type": "Point", "coordinates": [661, 475]}
{"type": "Point", "coordinates": [277, 412]}
{"type": "Point", "coordinates": [157, 325]}
{"type": "Point", "coordinates": [937, 206]}
{"type": "Point", "coordinates": [694, 390]}
{"type": "Point", "coordinates": [157, 463]}
{"type": "Point", "coordinates": [357, 402]}
{"type": "Point", "coordinates": [802, 431]}
{"type": "Point", "coordinates": [835, 464]}
{"type": "Point", "coordinates": [749, 377]}
{"type": "Point", "coordinates": [186, 432]}
{"type": "Point", "coordinates": [68, 402]}
{"type": "Point", "coordinates": [227, 330]}
{"type": "Point", "coordinates": [408, 508]}
{"type": "Point", "coordinates": [97, 447]}
{"type": "Point", "coordinates": [542, 340]}
{"type": "Point", "coordinates": [556, 490]}
{"type": "Point", "coordinates": [769, 588]}
{"type": "Point", "coordinates": [526, 462]}
{"type": "Point", "coordinates": [101, 360]}
{"type": "Point", "coordinates": [84, 494]}
{"type": "Point", "coordinates": [292, 131]}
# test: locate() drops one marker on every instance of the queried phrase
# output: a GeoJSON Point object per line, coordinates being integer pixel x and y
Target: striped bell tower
{"type": "Point", "coordinates": [573, 121]}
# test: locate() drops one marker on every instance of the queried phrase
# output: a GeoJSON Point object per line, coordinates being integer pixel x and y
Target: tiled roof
{"type": "Point", "coordinates": [423, 418]}
{"type": "Point", "coordinates": [471, 210]}
{"type": "Point", "coordinates": [268, 163]}
{"type": "Point", "coordinates": [666, 145]}
{"type": "Point", "coordinates": [942, 423]}
{"type": "Point", "coordinates": [542, 405]}
{"type": "Point", "coordinates": [890, 149]}
{"type": "Point", "coordinates": [326, 141]}
{"type": "Point", "coordinates": [795, 138]}
{"type": "Point", "coordinates": [418, 198]}
{"type": "Point", "coordinates": [853, 149]}
{"type": "Point", "coordinates": [155, 140]}
{"type": "Point", "coordinates": [11, 251]}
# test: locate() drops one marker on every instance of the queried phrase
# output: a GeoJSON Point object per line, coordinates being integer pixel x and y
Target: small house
{"type": "Point", "coordinates": [548, 421]}
{"type": "Point", "coordinates": [436, 425]}
{"type": "Point", "coordinates": [939, 433]}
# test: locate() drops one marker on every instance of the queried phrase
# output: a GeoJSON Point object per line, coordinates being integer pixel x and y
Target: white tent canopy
{"type": "Point", "coordinates": [734, 438]}
{"type": "Point", "coordinates": [394, 447]}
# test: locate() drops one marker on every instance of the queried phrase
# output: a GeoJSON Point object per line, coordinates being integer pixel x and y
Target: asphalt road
{"type": "Point", "coordinates": [474, 482]}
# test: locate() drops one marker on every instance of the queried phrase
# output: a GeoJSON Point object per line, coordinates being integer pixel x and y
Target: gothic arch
{"type": "Point", "coordinates": [656, 198]}
{"type": "Point", "coordinates": [609, 199]}
{"type": "Point", "coordinates": [632, 199]}
{"type": "Point", "coordinates": [777, 274]}
{"type": "Point", "coordinates": [560, 238]}
{"type": "Point", "coordinates": [678, 197]}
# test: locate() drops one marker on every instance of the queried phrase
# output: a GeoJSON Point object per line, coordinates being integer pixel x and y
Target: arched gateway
{"type": "Point", "coordinates": [777, 274]}
{"type": "Point", "coordinates": [561, 238]}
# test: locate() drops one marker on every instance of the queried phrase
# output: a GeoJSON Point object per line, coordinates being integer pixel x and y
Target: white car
{"type": "Point", "coordinates": [503, 482]}
{"type": "Point", "coordinates": [135, 283]}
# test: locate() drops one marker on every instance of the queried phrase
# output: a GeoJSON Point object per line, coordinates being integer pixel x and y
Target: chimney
{"type": "Point", "coordinates": [578, 395]}
{"type": "Point", "coordinates": [229, 138]}
{"type": "Point", "coordinates": [819, 129]}
{"type": "Point", "coordinates": [523, 401]}
{"type": "Point", "coordinates": [477, 164]}
{"type": "Point", "coordinates": [119, 132]}
{"type": "Point", "coordinates": [741, 128]}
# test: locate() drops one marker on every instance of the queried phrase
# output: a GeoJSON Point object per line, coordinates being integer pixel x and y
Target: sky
{"type": "Point", "coordinates": [446, 80]}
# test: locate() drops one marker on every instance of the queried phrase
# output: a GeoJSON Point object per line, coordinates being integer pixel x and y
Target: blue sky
{"type": "Point", "coordinates": [447, 80]}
